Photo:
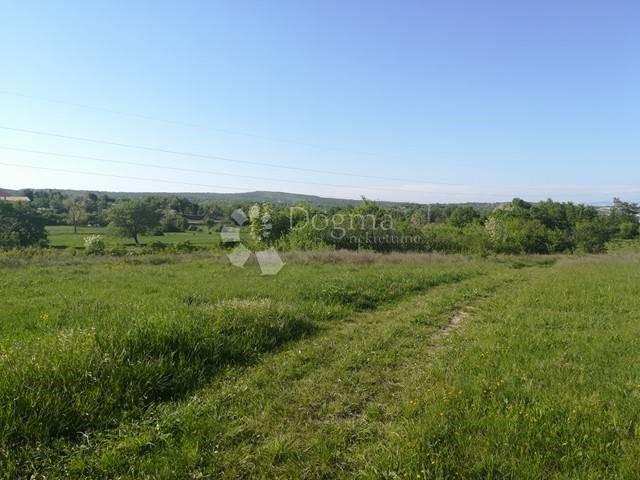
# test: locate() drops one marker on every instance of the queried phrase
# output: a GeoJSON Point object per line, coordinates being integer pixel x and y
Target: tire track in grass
{"type": "Point", "coordinates": [455, 323]}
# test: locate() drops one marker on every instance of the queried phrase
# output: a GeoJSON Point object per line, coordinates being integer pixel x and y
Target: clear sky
{"type": "Point", "coordinates": [487, 100]}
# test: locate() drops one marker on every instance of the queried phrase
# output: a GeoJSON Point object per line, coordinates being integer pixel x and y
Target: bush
{"type": "Point", "coordinates": [155, 247]}
{"type": "Point", "coordinates": [94, 245]}
{"type": "Point", "coordinates": [305, 238]}
{"type": "Point", "coordinates": [173, 222]}
{"type": "Point", "coordinates": [462, 216]}
{"type": "Point", "coordinates": [591, 236]}
{"type": "Point", "coordinates": [184, 247]}
{"type": "Point", "coordinates": [628, 230]}
{"type": "Point", "coordinates": [443, 238]}
{"type": "Point", "coordinates": [514, 235]}
{"type": "Point", "coordinates": [623, 246]}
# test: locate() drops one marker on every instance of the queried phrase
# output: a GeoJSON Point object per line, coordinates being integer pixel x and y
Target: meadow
{"type": "Point", "coordinates": [60, 236]}
{"type": "Point", "coordinates": [344, 365]}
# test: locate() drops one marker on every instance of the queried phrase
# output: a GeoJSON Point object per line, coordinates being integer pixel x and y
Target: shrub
{"type": "Point", "coordinates": [591, 236]}
{"type": "Point", "coordinates": [443, 238]}
{"type": "Point", "coordinates": [462, 216]}
{"type": "Point", "coordinates": [94, 245]}
{"type": "Point", "coordinates": [184, 247]}
{"type": "Point", "coordinates": [305, 238]}
{"type": "Point", "coordinates": [172, 221]}
{"type": "Point", "coordinates": [628, 230]}
{"type": "Point", "coordinates": [155, 247]}
{"type": "Point", "coordinates": [510, 234]}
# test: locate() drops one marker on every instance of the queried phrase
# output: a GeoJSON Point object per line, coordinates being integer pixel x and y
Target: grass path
{"type": "Point", "coordinates": [326, 406]}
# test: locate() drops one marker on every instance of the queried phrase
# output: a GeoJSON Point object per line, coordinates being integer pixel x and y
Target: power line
{"type": "Point", "coordinates": [203, 127]}
{"type": "Point", "coordinates": [213, 157]}
{"type": "Point", "coordinates": [238, 133]}
{"type": "Point", "coordinates": [208, 172]}
{"type": "Point", "coordinates": [127, 177]}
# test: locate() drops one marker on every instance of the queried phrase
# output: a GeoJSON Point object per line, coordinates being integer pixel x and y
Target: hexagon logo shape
{"type": "Point", "coordinates": [269, 260]}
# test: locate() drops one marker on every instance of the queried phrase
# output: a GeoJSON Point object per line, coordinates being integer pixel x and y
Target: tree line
{"type": "Point", "coordinates": [513, 228]}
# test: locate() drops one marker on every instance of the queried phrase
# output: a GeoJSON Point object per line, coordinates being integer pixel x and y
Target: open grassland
{"type": "Point", "coordinates": [64, 236]}
{"type": "Point", "coordinates": [342, 366]}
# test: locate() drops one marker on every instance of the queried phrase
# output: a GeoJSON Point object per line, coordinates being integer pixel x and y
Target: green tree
{"type": "Point", "coordinates": [463, 216]}
{"type": "Point", "coordinates": [56, 202]}
{"type": "Point", "coordinates": [132, 218]}
{"type": "Point", "coordinates": [172, 221]}
{"type": "Point", "coordinates": [21, 226]}
{"type": "Point", "coordinates": [628, 230]}
{"type": "Point", "coordinates": [591, 236]}
{"type": "Point", "coordinates": [623, 219]}
{"type": "Point", "coordinates": [76, 212]}
{"type": "Point", "coordinates": [517, 234]}
{"type": "Point", "coordinates": [626, 210]}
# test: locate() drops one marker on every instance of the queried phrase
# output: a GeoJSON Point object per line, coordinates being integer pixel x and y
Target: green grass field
{"type": "Point", "coordinates": [341, 366]}
{"type": "Point", "coordinates": [64, 236]}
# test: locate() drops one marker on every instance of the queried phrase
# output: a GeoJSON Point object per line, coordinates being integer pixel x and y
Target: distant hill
{"type": "Point", "coordinates": [258, 196]}
{"type": "Point", "coordinates": [272, 197]}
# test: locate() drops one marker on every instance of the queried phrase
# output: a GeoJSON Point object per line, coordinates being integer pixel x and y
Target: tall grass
{"type": "Point", "coordinates": [381, 288]}
{"type": "Point", "coordinates": [84, 379]}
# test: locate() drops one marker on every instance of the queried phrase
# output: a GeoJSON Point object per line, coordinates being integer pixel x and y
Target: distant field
{"type": "Point", "coordinates": [341, 366]}
{"type": "Point", "coordinates": [63, 236]}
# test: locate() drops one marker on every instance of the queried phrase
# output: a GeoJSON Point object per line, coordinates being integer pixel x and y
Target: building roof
{"type": "Point", "coordinates": [14, 198]}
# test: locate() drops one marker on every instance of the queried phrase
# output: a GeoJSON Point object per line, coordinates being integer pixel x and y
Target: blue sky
{"type": "Point", "coordinates": [487, 100]}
